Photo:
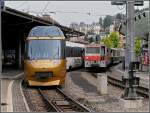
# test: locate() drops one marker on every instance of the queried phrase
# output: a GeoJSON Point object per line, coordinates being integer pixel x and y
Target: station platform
{"type": "Point", "coordinates": [11, 74]}
{"type": "Point", "coordinates": [12, 98]}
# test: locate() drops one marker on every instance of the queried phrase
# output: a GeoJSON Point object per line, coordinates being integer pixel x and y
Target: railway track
{"type": "Point", "coordinates": [140, 89]}
{"type": "Point", "coordinates": [119, 83]}
{"type": "Point", "coordinates": [51, 100]}
{"type": "Point", "coordinates": [60, 102]}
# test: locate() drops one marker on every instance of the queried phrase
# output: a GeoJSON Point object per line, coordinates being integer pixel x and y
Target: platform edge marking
{"type": "Point", "coordinates": [9, 97]}
{"type": "Point", "coordinates": [25, 102]}
{"type": "Point", "coordinates": [19, 75]}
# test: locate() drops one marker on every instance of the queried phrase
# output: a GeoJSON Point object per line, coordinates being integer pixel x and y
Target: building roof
{"type": "Point", "coordinates": [30, 19]}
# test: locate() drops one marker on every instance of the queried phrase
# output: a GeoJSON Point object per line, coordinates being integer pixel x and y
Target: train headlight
{"type": "Point", "coordinates": [56, 61]}
{"type": "Point", "coordinates": [86, 57]}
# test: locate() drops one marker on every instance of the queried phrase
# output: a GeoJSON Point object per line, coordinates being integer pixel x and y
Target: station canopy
{"type": "Point", "coordinates": [14, 19]}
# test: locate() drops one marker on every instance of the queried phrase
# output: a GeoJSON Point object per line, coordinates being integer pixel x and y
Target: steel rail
{"type": "Point", "coordinates": [81, 107]}
{"type": "Point", "coordinates": [71, 106]}
{"type": "Point", "coordinates": [140, 89]}
{"type": "Point", "coordinates": [48, 102]}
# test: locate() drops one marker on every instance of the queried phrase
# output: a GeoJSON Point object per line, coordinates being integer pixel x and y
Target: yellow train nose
{"type": "Point", "coordinates": [42, 64]}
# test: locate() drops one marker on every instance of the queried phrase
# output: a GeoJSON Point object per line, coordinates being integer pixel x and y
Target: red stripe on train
{"type": "Point", "coordinates": [97, 58]}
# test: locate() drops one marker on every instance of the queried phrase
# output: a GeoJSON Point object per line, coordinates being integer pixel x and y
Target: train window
{"type": "Point", "coordinates": [80, 52]}
{"type": "Point", "coordinates": [69, 51]}
{"type": "Point", "coordinates": [92, 50]}
{"type": "Point", "coordinates": [77, 50]}
{"type": "Point", "coordinates": [73, 52]}
{"type": "Point", "coordinates": [46, 49]}
{"type": "Point", "coordinates": [115, 53]}
{"type": "Point", "coordinates": [102, 50]}
{"type": "Point", "coordinates": [73, 49]}
{"type": "Point", "coordinates": [43, 31]}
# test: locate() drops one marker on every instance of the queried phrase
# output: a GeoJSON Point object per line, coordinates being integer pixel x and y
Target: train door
{"type": "Point", "coordinates": [108, 56]}
{"type": "Point", "coordinates": [103, 54]}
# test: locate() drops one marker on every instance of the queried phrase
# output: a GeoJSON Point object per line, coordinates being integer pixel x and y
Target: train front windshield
{"type": "Point", "coordinates": [92, 50]}
{"type": "Point", "coordinates": [45, 49]}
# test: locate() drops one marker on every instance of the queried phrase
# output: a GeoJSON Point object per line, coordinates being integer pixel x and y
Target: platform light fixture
{"type": "Point", "coordinates": [137, 2]}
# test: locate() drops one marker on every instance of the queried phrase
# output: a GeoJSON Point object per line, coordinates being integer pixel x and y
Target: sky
{"type": "Point", "coordinates": [66, 12]}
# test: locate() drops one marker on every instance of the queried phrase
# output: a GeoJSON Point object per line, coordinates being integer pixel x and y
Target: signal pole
{"type": "Point", "coordinates": [131, 82]}
{"type": "Point", "coordinates": [149, 39]}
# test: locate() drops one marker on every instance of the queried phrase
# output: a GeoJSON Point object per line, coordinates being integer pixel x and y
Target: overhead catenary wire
{"type": "Point", "coordinates": [69, 12]}
{"type": "Point", "coordinates": [45, 6]}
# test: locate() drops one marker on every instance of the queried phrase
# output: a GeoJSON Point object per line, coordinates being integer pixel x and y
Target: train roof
{"type": "Point", "coordinates": [94, 45]}
{"type": "Point", "coordinates": [73, 44]}
{"type": "Point", "coordinates": [45, 31]}
{"type": "Point", "coordinates": [117, 49]}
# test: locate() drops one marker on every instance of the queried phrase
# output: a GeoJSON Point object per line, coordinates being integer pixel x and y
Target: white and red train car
{"type": "Point", "coordinates": [97, 55]}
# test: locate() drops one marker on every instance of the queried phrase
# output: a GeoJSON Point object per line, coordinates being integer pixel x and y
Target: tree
{"type": "Point", "coordinates": [107, 21]}
{"type": "Point", "coordinates": [115, 39]}
{"type": "Point", "coordinates": [138, 46]}
{"type": "Point", "coordinates": [107, 42]}
{"type": "Point", "coordinates": [112, 41]}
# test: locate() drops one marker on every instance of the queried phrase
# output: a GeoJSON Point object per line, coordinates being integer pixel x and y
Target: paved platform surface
{"type": "Point", "coordinates": [19, 103]}
{"type": "Point", "coordinates": [11, 74]}
{"type": "Point", "coordinates": [4, 92]}
{"type": "Point", "coordinates": [12, 99]}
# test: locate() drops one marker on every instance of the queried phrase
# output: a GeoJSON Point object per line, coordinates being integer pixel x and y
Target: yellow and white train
{"type": "Point", "coordinates": [45, 62]}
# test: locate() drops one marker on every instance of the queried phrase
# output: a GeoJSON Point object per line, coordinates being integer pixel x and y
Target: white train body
{"type": "Point", "coordinates": [74, 54]}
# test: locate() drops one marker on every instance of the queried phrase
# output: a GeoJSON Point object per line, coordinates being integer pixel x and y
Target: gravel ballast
{"type": "Point", "coordinates": [82, 87]}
